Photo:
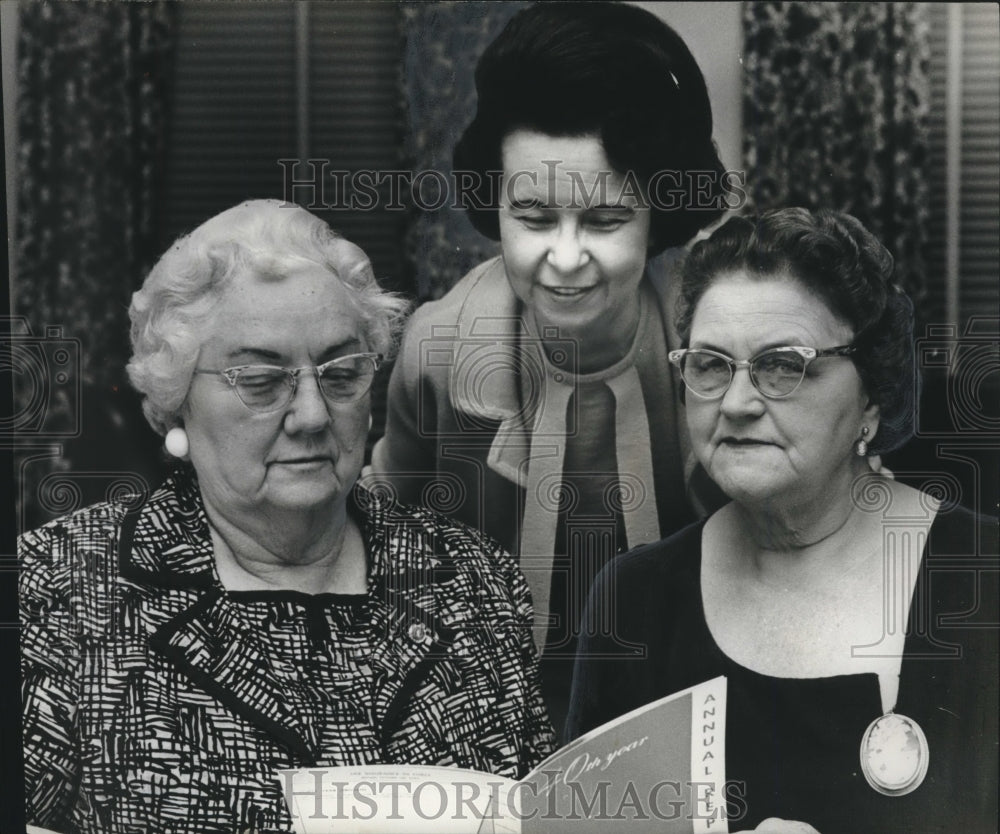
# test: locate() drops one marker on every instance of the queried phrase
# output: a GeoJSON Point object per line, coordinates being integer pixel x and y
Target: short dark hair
{"type": "Point", "coordinates": [839, 260]}
{"type": "Point", "coordinates": [607, 69]}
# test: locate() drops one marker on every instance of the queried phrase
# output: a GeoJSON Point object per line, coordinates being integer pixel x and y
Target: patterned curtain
{"type": "Point", "coordinates": [443, 44]}
{"type": "Point", "coordinates": [835, 103]}
{"type": "Point", "coordinates": [93, 80]}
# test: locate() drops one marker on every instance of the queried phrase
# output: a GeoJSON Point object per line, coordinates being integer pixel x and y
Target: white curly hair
{"type": "Point", "coordinates": [258, 237]}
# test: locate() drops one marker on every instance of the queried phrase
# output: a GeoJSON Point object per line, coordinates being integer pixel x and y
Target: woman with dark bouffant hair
{"type": "Point", "coordinates": [535, 400]}
{"type": "Point", "coordinates": [854, 617]}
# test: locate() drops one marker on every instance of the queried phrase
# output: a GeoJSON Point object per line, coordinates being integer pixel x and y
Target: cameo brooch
{"type": "Point", "coordinates": [894, 754]}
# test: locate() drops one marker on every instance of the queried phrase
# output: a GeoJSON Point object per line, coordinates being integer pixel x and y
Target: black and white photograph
{"type": "Point", "coordinates": [515, 416]}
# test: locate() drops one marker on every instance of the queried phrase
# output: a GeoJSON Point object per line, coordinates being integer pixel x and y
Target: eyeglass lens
{"type": "Point", "coordinates": [775, 374]}
{"type": "Point", "coordinates": [267, 389]}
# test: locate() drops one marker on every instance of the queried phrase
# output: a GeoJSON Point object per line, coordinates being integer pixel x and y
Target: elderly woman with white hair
{"type": "Point", "coordinates": [262, 610]}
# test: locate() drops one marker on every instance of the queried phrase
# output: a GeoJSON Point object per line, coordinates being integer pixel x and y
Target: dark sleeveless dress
{"type": "Point", "coordinates": [792, 745]}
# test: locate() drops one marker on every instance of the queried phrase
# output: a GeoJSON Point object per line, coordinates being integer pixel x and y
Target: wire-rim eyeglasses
{"type": "Point", "coordinates": [267, 388]}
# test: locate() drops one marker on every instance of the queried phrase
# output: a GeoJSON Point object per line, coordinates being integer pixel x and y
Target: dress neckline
{"type": "Point", "coordinates": [300, 597]}
{"type": "Point", "coordinates": [866, 679]}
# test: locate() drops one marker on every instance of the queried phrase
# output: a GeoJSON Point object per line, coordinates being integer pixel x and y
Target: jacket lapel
{"type": "Point", "coordinates": [211, 645]}
{"type": "Point", "coordinates": [409, 609]}
{"type": "Point", "coordinates": [487, 357]}
{"type": "Point", "coordinates": [489, 351]}
{"type": "Point", "coordinates": [166, 545]}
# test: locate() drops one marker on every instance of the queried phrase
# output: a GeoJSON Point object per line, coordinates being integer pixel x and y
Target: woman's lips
{"type": "Point", "coordinates": [304, 463]}
{"type": "Point", "coordinates": [568, 293]}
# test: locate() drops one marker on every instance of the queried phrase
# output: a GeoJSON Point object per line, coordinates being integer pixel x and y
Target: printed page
{"type": "Point", "coordinates": [397, 799]}
{"type": "Point", "coordinates": [661, 768]}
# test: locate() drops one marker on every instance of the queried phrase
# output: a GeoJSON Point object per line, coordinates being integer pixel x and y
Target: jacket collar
{"type": "Point", "coordinates": [166, 546]}
{"type": "Point", "coordinates": [491, 319]}
{"type": "Point", "coordinates": [488, 330]}
{"type": "Point", "coordinates": [489, 350]}
{"type": "Point", "coordinates": [166, 541]}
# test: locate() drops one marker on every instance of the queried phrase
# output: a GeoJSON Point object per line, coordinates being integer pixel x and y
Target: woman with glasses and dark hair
{"type": "Point", "coordinates": [535, 400]}
{"type": "Point", "coordinates": [853, 616]}
{"type": "Point", "coordinates": [261, 610]}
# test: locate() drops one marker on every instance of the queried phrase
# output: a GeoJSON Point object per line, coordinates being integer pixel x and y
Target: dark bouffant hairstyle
{"type": "Point", "coordinates": [605, 69]}
{"type": "Point", "coordinates": [839, 260]}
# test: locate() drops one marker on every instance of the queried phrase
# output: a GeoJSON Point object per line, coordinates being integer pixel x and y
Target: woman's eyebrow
{"type": "Point", "coordinates": [699, 345]}
{"type": "Point", "coordinates": [525, 204]}
{"type": "Point", "coordinates": [348, 346]}
{"type": "Point", "coordinates": [253, 353]}
{"type": "Point", "coordinates": [759, 349]}
{"type": "Point", "coordinates": [783, 343]}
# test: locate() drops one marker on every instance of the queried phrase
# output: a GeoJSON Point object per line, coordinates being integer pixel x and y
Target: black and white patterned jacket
{"type": "Point", "coordinates": [147, 708]}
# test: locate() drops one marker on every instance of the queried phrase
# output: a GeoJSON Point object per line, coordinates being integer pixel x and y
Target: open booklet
{"type": "Point", "coordinates": [659, 768]}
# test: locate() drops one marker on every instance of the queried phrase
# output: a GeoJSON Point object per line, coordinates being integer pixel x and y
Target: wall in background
{"type": "Point", "coordinates": [259, 82]}
{"type": "Point", "coordinates": [714, 33]}
{"type": "Point", "coordinates": [8, 62]}
{"type": "Point", "coordinates": [238, 107]}
{"type": "Point", "coordinates": [964, 245]}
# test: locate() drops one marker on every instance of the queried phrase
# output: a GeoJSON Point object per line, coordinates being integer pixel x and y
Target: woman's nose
{"type": "Point", "coordinates": [567, 252]}
{"type": "Point", "coordinates": [742, 397]}
{"type": "Point", "coordinates": [308, 411]}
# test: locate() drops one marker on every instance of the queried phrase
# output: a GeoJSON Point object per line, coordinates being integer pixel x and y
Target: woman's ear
{"type": "Point", "coordinates": [871, 417]}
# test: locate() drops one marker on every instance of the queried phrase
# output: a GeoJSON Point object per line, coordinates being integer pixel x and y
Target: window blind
{"type": "Point", "coordinates": [979, 219]}
{"type": "Point", "coordinates": [235, 111]}
{"type": "Point", "coordinates": [965, 40]}
{"type": "Point", "coordinates": [248, 77]}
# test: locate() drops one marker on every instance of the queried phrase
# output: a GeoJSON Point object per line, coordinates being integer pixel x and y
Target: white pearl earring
{"type": "Point", "coordinates": [861, 446]}
{"type": "Point", "coordinates": [176, 442]}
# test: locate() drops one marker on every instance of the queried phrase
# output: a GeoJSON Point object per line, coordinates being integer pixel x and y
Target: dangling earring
{"type": "Point", "coordinates": [861, 447]}
{"type": "Point", "coordinates": [176, 442]}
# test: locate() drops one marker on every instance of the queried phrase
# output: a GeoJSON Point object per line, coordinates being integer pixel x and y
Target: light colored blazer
{"type": "Point", "coordinates": [458, 435]}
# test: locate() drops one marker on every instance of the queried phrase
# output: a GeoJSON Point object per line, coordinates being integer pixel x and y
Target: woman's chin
{"type": "Point", "coordinates": [754, 487]}
{"type": "Point", "coordinates": [304, 494]}
{"type": "Point", "coordinates": [575, 314]}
